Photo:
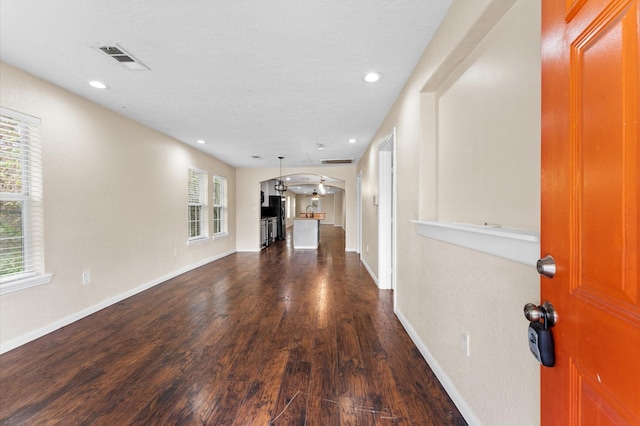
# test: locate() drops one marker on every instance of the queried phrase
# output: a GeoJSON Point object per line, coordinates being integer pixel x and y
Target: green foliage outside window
{"type": "Point", "coordinates": [11, 205]}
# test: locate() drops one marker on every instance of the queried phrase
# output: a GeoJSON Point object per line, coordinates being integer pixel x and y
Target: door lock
{"type": "Point", "coordinates": [540, 336]}
{"type": "Point", "coordinates": [546, 313]}
{"type": "Point", "coordinates": [546, 266]}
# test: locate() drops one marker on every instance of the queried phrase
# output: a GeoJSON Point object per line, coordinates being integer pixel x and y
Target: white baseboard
{"type": "Point", "coordinates": [36, 334]}
{"type": "Point", "coordinates": [373, 276]}
{"type": "Point", "coordinates": [455, 396]}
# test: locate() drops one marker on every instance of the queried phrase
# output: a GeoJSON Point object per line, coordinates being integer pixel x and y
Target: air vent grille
{"type": "Point", "coordinates": [338, 161]}
{"type": "Point", "coordinates": [123, 57]}
{"type": "Point", "coordinates": [111, 50]}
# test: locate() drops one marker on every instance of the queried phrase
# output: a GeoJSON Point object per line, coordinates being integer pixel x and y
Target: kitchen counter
{"type": "Point", "coordinates": [313, 215]}
{"type": "Point", "coordinates": [306, 233]}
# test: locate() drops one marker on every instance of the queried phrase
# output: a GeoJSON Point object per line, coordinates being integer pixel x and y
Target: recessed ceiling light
{"type": "Point", "coordinates": [352, 141]}
{"type": "Point", "coordinates": [98, 84]}
{"type": "Point", "coordinates": [200, 141]}
{"type": "Point", "coordinates": [372, 77]}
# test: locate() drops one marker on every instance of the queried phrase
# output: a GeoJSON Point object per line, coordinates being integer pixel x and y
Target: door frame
{"type": "Point", "coordinates": [387, 213]}
{"type": "Point", "coordinates": [359, 212]}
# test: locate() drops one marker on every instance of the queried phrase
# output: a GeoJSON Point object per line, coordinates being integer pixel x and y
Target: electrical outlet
{"type": "Point", "coordinates": [466, 343]}
{"type": "Point", "coordinates": [175, 251]}
{"type": "Point", "coordinates": [86, 278]}
{"type": "Point", "coordinates": [367, 248]}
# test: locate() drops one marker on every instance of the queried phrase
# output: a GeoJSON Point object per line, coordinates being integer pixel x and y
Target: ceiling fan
{"type": "Point", "coordinates": [315, 194]}
{"type": "Point", "coordinates": [322, 188]}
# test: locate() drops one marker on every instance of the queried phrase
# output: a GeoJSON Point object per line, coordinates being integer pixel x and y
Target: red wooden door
{"type": "Point", "coordinates": [590, 214]}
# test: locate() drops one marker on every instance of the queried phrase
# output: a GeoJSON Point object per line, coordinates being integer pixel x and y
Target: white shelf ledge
{"type": "Point", "coordinates": [514, 244]}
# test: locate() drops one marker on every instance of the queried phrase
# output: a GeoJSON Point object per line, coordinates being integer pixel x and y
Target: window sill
{"type": "Point", "coordinates": [221, 235]}
{"type": "Point", "coordinates": [27, 281]}
{"type": "Point", "coordinates": [519, 245]}
{"type": "Point", "coordinates": [193, 241]}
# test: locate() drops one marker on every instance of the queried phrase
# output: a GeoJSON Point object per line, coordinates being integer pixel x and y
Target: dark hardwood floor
{"type": "Point", "coordinates": [281, 337]}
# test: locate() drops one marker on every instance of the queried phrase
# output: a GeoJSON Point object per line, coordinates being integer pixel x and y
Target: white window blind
{"type": "Point", "coordinates": [197, 181]}
{"type": "Point", "coordinates": [21, 212]}
{"type": "Point", "coordinates": [219, 205]}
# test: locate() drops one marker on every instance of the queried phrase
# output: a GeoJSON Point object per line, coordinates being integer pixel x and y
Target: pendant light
{"type": "Point", "coordinates": [280, 186]}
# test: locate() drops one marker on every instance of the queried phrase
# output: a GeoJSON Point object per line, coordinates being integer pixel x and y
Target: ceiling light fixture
{"type": "Point", "coordinates": [352, 141]}
{"type": "Point", "coordinates": [98, 85]}
{"type": "Point", "coordinates": [372, 77]}
{"type": "Point", "coordinates": [200, 141]}
{"type": "Point", "coordinates": [280, 186]}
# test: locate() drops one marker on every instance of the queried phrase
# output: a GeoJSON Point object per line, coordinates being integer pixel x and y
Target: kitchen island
{"type": "Point", "coordinates": [306, 230]}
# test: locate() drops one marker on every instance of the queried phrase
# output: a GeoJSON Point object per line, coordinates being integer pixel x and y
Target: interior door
{"type": "Point", "coordinates": [590, 220]}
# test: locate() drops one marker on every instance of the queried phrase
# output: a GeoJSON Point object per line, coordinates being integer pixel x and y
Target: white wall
{"type": "Point", "coordinates": [488, 154]}
{"type": "Point", "coordinates": [338, 205]}
{"type": "Point", "coordinates": [115, 204]}
{"type": "Point", "coordinates": [328, 206]}
{"type": "Point", "coordinates": [467, 143]}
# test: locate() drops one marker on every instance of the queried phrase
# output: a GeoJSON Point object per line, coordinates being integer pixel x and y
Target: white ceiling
{"type": "Point", "coordinates": [248, 77]}
{"type": "Point", "coordinates": [306, 183]}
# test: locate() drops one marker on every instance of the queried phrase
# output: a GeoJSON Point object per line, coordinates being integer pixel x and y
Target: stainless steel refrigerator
{"type": "Point", "coordinates": [277, 205]}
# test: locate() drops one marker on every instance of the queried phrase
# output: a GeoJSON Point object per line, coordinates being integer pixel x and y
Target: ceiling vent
{"type": "Point", "coordinates": [123, 57]}
{"type": "Point", "coordinates": [338, 161]}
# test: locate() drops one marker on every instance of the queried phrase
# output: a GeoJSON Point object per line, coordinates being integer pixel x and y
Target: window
{"type": "Point", "coordinates": [21, 221]}
{"type": "Point", "coordinates": [288, 207]}
{"type": "Point", "coordinates": [197, 181]}
{"type": "Point", "coordinates": [219, 205]}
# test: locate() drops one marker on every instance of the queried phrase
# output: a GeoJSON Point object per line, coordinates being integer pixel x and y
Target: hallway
{"type": "Point", "coordinates": [279, 337]}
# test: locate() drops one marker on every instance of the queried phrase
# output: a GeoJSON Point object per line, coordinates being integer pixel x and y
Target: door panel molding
{"type": "Point", "coordinates": [591, 209]}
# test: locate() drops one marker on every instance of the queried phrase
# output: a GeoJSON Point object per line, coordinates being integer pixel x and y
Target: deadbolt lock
{"type": "Point", "coordinates": [546, 266]}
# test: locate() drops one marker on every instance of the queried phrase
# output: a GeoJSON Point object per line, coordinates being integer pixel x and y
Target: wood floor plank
{"type": "Point", "coordinates": [323, 385]}
{"type": "Point", "coordinates": [228, 399]}
{"type": "Point", "coordinates": [258, 406]}
{"type": "Point", "coordinates": [354, 413]}
{"type": "Point", "coordinates": [291, 404]}
{"type": "Point", "coordinates": [281, 337]}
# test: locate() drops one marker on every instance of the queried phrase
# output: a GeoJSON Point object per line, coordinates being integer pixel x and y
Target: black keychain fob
{"type": "Point", "coordinates": [541, 344]}
{"type": "Point", "coordinates": [542, 318]}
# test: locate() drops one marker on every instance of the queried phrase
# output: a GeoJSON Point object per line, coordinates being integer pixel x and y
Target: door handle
{"type": "Point", "coordinates": [545, 312]}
